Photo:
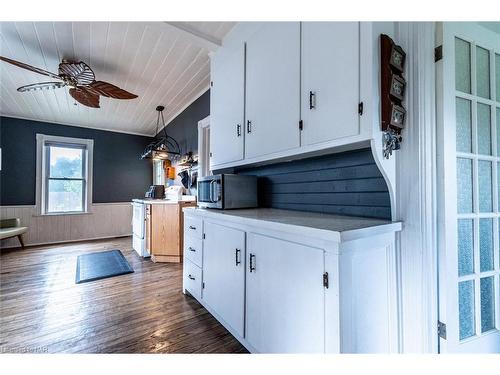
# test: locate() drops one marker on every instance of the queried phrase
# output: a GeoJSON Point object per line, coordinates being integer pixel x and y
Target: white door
{"type": "Point", "coordinates": [272, 89]}
{"type": "Point", "coordinates": [285, 308]}
{"type": "Point", "coordinates": [468, 187]}
{"type": "Point", "coordinates": [224, 273]}
{"type": "Point", "coordinates": [330, 81]}
{"type": "Point", "coordinates": [227, 106]}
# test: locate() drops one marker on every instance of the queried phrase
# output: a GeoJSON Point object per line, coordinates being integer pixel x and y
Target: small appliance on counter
{"type": "Point", "coordinates": [156, 192]}
{"type": "Point", "coordinates": [174, 193]}
{"type": "Point", "coordinates": [227, 191]}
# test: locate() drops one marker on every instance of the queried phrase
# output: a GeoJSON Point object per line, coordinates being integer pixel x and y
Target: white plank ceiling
{"type": "Point", "coordinates": [163, 63]}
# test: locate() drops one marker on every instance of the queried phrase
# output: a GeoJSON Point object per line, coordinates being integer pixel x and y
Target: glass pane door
{"type": "Point", "coordinates": [470, 257]}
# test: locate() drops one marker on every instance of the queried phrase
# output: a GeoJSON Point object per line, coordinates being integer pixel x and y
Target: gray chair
{"type": "Point", "coordinates": [12, 228]}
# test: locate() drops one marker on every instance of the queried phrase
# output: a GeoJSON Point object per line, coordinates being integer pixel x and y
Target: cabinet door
{"type": "Point", "coordinates": [272, 89]}
{"type": "Point", "coordinates": [330, 81]}
{"type": "Point", "coordinates": [227, 106]}
{"type": "Point", "coordinates": [285, 296]}
{"type": "Point", "coordinates": [224, 273]}
{"type": "Point", "coordinates": [165, 236]}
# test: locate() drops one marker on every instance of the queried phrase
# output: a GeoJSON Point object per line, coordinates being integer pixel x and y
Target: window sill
{"type": "Point", "coordinates": [63, 214]}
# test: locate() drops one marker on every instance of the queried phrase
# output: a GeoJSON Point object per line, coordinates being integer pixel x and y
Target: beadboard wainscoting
{"type": "Point", "coordinates": [105, 220]}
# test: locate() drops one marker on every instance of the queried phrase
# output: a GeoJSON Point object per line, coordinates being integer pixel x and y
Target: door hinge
{"type": "Point", "coordinates": [325, 280]}
{"type": "Point", "coordinates": [438, 53]}
{"type": "Point", "coordinates": [203, 236]}
{"type": "Point", "coordinates": [360, 108]}
{"type": "Point", "coordinates": [203, 285]}
{"type": "Point", "coordinates": [211, 83]}
{"type": "Point", "coordinates": [301, 125]}
{"type": "Point", "coordinates": [442, 330]}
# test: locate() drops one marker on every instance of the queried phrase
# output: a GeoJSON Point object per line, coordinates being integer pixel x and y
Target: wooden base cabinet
{"type": "Point", "coordinates": [164, 233]}
{"type": "Point", "coordinates": [291, 289]}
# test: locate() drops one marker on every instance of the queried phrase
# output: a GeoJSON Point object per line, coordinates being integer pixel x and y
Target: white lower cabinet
{"type": "Point", "coordinates": [224, 273]}
{"type": "Point", "coordinates": [296, 289]}
{"type": "Point", "coordinates": [284, 296]}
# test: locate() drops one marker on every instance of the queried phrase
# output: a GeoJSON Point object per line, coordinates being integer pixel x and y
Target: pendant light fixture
{"type": "Point", "coordinates": [165, 146]}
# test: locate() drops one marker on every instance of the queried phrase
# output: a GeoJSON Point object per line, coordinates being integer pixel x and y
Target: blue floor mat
{"type": "Point", "coordinates": [96, 266]}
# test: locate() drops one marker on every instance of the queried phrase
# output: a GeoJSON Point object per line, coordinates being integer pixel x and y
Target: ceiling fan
{"type": "Point", "coordinates": [79, 78]}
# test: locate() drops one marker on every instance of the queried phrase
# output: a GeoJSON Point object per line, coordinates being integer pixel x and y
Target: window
{"type": "Point", "coordinates": [158, 173]}
{"type": "Point", "coordinates": [64, 174]}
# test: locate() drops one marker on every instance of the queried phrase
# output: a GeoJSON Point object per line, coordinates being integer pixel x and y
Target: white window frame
{"type": "Point", "coordinates": [204, 147]}
{"type": "Point", "coordinates": [41, 171]}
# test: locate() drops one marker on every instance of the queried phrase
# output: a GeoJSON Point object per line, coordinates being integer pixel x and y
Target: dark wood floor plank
{"type": "Point", "coordinates": [142, 312]}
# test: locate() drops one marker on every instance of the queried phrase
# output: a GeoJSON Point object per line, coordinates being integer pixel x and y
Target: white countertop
{"type": "Point", "coordinates": [331, 227]}
{"type": "Point", "coordinates": [184, 199]}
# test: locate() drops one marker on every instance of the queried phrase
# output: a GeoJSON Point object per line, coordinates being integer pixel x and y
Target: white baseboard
{"type": "Point", "coordinates": [64, 242]}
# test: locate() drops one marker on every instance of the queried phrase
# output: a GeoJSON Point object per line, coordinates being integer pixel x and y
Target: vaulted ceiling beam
{"type": "Point", "coordinates": [200, 38]}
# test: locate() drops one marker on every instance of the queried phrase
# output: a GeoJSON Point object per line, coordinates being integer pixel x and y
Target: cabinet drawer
{"type": "Point", "coordinates": [193, 227]}
{"type": "Point", "coordinates": [193, 250]}
{"type": "Point", "coordinates": [192, 278]}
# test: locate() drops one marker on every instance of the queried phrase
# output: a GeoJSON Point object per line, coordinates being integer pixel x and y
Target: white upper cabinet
{"type": "Point", "coordinates": [285, 308]}
{"type": "Point", "coordinates": [270, 76]}
{"type": "Point", "coordinates": [224, 273]}
{"type": "Point", "coordinates": [330, 81]}
{"type": "Point", "coordinates": [272, 89]}
{"type": "Point", "coordinates": [227, 106]}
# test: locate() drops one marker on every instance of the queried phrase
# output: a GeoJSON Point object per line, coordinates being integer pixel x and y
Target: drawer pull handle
{"type": "Point", "coordinates": [191, 249]}
{"type": "Point", "coordinates": [192, 227]}
{"type": "Point", "coordinates": [237, 257]}
{"type": "Point", "coordinates": [252, 262]}
{"type": "Point", "coordinates": [191, 277]}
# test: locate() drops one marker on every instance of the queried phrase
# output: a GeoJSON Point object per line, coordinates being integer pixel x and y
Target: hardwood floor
{"type": "Point", "coordinates": [43, 310]}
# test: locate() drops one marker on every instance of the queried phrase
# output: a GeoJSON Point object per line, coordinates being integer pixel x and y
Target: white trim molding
{"type": "Point", "coordinates": [204, 147]}
{"type": "Point", "coordinates": [416, 193]}
{"type": "Point", "coordinates": [41, 161]}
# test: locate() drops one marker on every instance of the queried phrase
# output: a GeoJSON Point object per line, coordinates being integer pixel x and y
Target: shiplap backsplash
{"type": "Point", "coordinates": [347, 183]}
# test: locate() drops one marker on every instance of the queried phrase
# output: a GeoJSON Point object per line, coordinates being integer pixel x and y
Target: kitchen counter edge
{"type": "Point", "coordinates": [276, 219]}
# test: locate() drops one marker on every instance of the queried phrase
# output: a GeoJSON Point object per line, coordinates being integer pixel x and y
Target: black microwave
{"type": "Point", "coordinates": [227, 191]}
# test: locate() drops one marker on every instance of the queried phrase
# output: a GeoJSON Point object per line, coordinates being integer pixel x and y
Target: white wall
{"type": "Point", "coordinates": [105, 220]}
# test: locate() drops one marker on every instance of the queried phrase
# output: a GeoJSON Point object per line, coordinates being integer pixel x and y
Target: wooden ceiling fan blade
{"type": "Point", "coordinates": [29, 67]}
{"type": "Point", "coordinates": [80, 71]}
{"type": "Point", "coordinates": [111, 91]}
{"type": "Point", "coordinates": [85, 97]}
{"type": "Point", "coordinates": [41, 86]}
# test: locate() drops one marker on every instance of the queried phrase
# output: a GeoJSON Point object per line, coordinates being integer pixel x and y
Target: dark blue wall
{"type": "Point", "coordinates": [118, 176]}
{"type": "Point", "coordinates": [184, 128]}
{"type": "Point", "coordinates": [347, 183]}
